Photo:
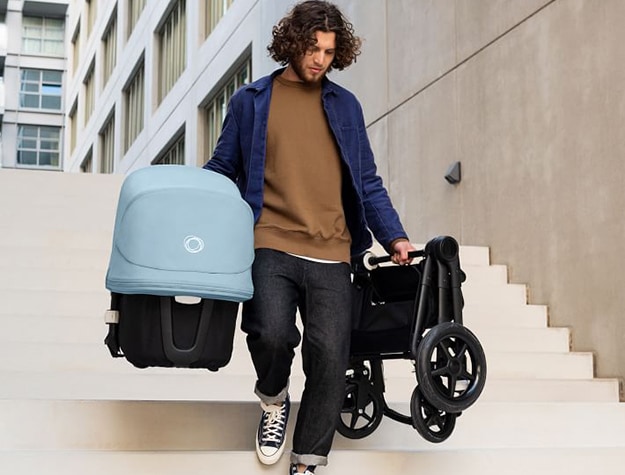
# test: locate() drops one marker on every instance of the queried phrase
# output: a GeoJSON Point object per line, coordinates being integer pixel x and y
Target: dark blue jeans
{"type": "Point", "coordinates": [282, 284]}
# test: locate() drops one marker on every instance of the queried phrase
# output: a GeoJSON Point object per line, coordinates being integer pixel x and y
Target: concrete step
{"type": "Point", "coordinates": [75, 218]}
{"type": "Point", "coordinates": [79, 280]}
{"type": "Point", "coordinates": [230, 426]}
{"type": "Point", "coordinates": [485, 275]}
{"type": "Point", "coordinates": [549, 461]}
{"type": "Point", "coordinates": [30, 235]}
{"type": "Point", "coordinates": [32, 183]}
{"type": "Point", "coordinates": [90, 357]}
{"type": "Point", "coordinates": [72, 215]}
{"type": "Point", "coordinates": [54, 303]}
{"type": "Point", "coordinates": [15, 258]}
{"type": "Point", "coordinates": [495, 295]}
{"type": "Point", "coordinates": [520, 316]}
{"type": "Point", "coordinates": [198, 385]}
{"type": "Point", "coordinates": [474, 256]}
{"type": "Point", "coordinates": [542, 340]}
{"type": "Point", "coordinates": [81, 303]}
{"type": "Point", "coordinates": [41, 259]}
{"type": "Point", "coordinates": [82, 278]}
{"type": "Point", "coordinates": [59, 329]}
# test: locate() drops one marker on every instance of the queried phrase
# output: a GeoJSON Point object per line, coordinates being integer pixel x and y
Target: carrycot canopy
{"type": "Point", "coordinates": [182, 230]}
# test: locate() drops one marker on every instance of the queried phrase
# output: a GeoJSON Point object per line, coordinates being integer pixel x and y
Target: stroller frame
{"type": "Point", "coordinates": [449, 360]}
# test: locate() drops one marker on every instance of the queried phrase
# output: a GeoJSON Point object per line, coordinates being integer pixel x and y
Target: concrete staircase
{"type": "Point", "coordinates": [67, 407]}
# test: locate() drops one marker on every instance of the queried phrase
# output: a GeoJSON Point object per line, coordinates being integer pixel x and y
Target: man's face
{"type": "Point", "coordinates": [314, 64]}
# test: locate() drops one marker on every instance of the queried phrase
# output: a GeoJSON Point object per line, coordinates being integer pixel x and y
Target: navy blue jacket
{"type": "Point", "coordinates": [240, 155]}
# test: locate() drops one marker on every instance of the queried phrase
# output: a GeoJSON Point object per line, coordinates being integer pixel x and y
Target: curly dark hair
{"type": "Point", "coordinates": [295, 33]}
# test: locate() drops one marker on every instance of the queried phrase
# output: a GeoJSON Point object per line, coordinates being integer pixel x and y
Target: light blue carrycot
{"type": "Point", "coordinates": [182, 230]}
{"type": "Point", "coordinates": [179, 232]}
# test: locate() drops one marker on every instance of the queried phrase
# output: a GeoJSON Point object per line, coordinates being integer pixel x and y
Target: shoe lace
{"type": "Point", "coordinates": [310, 470]}
{"type": "Point", "coordinates": [273, 426]}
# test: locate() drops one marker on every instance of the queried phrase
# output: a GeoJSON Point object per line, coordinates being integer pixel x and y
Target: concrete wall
{"type": "Point", "coordinates": [530, 97]}
{"type": "Point", "coordinates": [526, 94]}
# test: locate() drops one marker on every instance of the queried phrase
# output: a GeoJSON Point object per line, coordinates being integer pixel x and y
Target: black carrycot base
{"type": "Point", "coordinates": [161, 331]}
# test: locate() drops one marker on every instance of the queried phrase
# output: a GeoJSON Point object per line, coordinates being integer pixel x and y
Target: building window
{"type": "Point", "coordinates": [38, 146]}
{"type": "Point", "coordinates": [134, 100]}
{"type": "Point", "coordinates": [73, 126]}
{"type": "Point", "coordinates": [109, 49]}
{"type": "Point", "coordinates": [89, 93]}
{"type": "Point", "coordinates": [76, 49]}
{"type": "Point", "coordinates": [172, 49]}
{"type": "Point", "coordinates": [107, 145]}
{"type": "Point", "coordinates": [135, 7]}
{"type": "Point", "coordinates": [40, 89]}
{"type": "Point", "coordinates": [174, 155]}
{"type": "Point", "coordinates": [92, 13]}
{"type": "Point", "coordinates": [215, 9]}
{"type": "Point", "coordinates": [87, 164]}
{"type": "Point", "coordinates": [42, 35]}
{"type": "Point", "coordinates": [216, 108]}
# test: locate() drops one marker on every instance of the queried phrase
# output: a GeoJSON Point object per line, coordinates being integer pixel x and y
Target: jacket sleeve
{"type": "Point", "coordinates": [226, 158]}
{"type": "Point", "coordinates": [382, 218]}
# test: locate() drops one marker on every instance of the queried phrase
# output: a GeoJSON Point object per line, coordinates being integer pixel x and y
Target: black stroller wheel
{"type": "Point", "coordinates": [432, 424]}
{"type": "Point", "coordinates": [451, 367]}
{"type": "Point", "coordinates": [362, 410]}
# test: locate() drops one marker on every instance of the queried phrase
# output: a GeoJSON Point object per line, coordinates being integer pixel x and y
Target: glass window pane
{"type": "Point", "coordinates": [49, 132]}
{"type": "Point", "coordinates": [49, 145]}
{"type": "Point", "coordinates": [55, 22]}
{"type": "Point", "coordinates": [52, 76]}
{"type": "Point", "coordinates": [27, 144]}
{"type": "Point", "coordinates": [28, 131]}
{"type": "Point", "coordinates": [32, 45]}
{"type": "Point", "coordinates": [51, 102]}
{"type": "Point", "coordinates": [27, 158]}
{"type": "Point", "coordinates": [53, 48]}
{"type": "Point", "coordinates": [30, 87]}
{"type": "Point", "coordinates": [51, 89]}
{"type": "Point", "coordinates": [29, 100]}
{"type": "Point", "coordinates": [31, 74]}
{"type": "Point", "coordinates": [32, 20]}
{"type": "Point", "coordinates": [45, 158]}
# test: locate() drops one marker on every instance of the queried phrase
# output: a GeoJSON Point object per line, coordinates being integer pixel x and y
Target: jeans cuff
{"type": "Point", "coordinates": [270, 400]}
{"type": "Point", "coordinates": [309, 459]}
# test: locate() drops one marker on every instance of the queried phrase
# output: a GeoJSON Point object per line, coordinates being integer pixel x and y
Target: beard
{"type": "Point", "coordinates": [301, 74]}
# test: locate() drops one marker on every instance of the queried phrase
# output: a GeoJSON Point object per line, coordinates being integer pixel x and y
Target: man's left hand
{"type": "Point", "coordinates": [401, 248]}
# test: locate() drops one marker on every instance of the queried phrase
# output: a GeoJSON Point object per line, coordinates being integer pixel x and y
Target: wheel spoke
{"type": "Point", "coordinates": [353, 420]}
{"type": "Point", "coordinates": [445, 349]}
{"type": "Point", "coordinates": [367, 417]}
{"type": "Point", "coordinates": [440, 371]}
{"type": "Point", "coordinates": [466, 376]}
{"type": "Point", "coordinates": [452, 385]}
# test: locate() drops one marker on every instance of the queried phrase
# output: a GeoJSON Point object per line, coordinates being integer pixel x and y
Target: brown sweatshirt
{"type": "Point", "coordinates": [302, 207]}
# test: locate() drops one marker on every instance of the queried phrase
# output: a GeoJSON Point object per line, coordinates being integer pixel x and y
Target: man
{"type": "Point", "coordinates": [296, 145]}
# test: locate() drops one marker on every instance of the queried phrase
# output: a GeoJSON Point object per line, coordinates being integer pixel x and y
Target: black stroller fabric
{"type": "Point", "coordinates": [383, 310]}
{"type": "Point", "coordinates": [168, 333]}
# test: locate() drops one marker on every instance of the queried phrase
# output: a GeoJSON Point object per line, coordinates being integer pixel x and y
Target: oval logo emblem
{"type": "Point", "coordinates": [193, 244]}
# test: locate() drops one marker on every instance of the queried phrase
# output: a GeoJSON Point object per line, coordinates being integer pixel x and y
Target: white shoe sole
{"type": "Point", "coordinates": [269, 459]}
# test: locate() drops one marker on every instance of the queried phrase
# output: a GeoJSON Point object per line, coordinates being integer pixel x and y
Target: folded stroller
{"type": "Point", "coordinates": [415, 313]}
{"type": "Point", "coordinates": [181, 234]}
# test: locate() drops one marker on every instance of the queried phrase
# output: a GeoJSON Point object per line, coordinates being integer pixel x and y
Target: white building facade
{"type": "Point", "coordinates": [32, 51]}
{"type": "Point", "coordinates": [149, 80]}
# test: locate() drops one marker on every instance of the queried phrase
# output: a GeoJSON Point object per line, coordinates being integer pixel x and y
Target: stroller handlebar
{"type": "Point", "coordinates": [371, 261]}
